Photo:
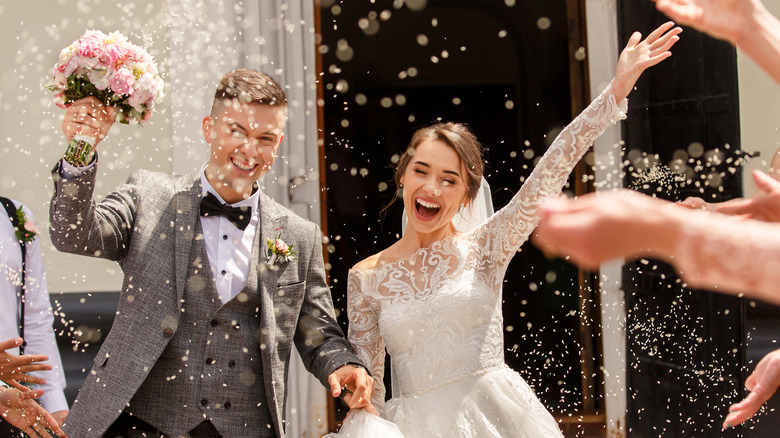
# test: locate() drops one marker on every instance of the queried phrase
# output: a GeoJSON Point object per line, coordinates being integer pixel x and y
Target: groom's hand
{"type": "Point", "coordinates": [355, 383]}
{"type": "Point", "coordinates": [88, 116]}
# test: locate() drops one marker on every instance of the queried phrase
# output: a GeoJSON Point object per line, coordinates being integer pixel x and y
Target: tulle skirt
{"type": "Point", "coordinates": [361, 424]}
{"type": "Point", "coordinates": [496, 404]}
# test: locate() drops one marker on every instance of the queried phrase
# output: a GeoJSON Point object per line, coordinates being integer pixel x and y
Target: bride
{"type": "Point", "coordinates": [433, 299]}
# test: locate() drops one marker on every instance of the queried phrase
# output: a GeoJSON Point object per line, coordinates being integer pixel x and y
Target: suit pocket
{"type": "Point", "coordinates": [291, 284]}
{"type": "Point", "coordinates": [287, 306]}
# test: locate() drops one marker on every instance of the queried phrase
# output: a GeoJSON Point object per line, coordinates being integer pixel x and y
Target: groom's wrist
{"type": "Point", "coordinates": [357, 365]}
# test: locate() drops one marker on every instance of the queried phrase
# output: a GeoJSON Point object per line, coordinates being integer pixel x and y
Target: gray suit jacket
{"type": "Point", "coordinates": [148, 226]}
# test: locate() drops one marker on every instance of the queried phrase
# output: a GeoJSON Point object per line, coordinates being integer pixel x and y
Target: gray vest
{"type": "Point", "coordinates": [211, 368]}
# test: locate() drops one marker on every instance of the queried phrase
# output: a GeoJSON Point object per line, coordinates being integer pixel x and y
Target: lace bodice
{"type": "Point", "coordinates": [438, 312]}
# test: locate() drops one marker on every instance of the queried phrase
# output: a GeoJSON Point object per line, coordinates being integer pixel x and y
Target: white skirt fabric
{"type": "Point", "coordinates": [496, 404]}
{"type": "Point", "coordinates": [361, 424]}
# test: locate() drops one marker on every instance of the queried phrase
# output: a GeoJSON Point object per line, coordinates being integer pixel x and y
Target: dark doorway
{"type": "Point", "coordinates": [685, 347]}
{"type": "Point", "coordinates": [501, 66]}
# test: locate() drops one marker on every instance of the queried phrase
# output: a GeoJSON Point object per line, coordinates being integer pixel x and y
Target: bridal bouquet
{"type": "Point", "coordinates": [110, 68]}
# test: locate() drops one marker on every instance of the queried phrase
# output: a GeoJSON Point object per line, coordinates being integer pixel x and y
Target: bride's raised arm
{"type": "Point", "coordinates": [506, 231]}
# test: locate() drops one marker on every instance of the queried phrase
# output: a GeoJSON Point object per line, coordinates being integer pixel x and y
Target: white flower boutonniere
{"type": "Point", "coordinates": [27, 229]}
{"type": "Point", "coordinates": [279, 251]}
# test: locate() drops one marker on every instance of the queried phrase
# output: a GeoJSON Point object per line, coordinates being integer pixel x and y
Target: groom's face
{"type": "Point", "coordinates": [244, 138]}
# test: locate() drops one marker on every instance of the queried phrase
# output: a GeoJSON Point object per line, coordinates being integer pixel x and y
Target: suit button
{"type": "Point", "coordinates": [228, 404]}
{"type": "Point", "coordinates": [232, 364]}
{"type": "Point", "coordinates": [204, 402]}
{"type": "Point", "coordinates": [209, 361]}
{"type": "Point", "coordinates": [168, 332]}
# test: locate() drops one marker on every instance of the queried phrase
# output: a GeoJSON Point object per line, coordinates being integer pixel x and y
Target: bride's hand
{"type": "Point", "coordinates": [638, 55]}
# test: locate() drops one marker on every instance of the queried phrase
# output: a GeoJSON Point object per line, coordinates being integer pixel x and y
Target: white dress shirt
{"type": "Point", "coordinates": [38, 317]}
{"type": "Point", "coordinates": [229, 249]}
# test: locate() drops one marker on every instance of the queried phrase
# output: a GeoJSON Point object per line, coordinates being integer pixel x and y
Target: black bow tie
{"type": "Point", "coordinates": [238, 216]}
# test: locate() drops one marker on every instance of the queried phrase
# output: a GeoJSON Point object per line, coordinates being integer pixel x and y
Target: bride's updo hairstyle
{"type": "Point", "coordinates": [460, 138]}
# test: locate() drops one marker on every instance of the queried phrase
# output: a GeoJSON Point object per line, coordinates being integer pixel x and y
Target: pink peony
{"type": "Point", "coordinates": [113, 54]}
{"type": "Point", "coordinates": [91, 44]}
{"type": "Point", "coordinates": [123, 81]}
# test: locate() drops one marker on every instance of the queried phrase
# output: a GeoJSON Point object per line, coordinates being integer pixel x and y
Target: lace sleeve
{"type": "Point", "coordinates": [365, 337]}
{"type": "Point", "coordinates": [504, 233]}
{"type": "Point", "coordinates": [729, 254]}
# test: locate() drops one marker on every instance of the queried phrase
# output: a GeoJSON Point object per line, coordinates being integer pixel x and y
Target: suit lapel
{"type": "Point", "coordinates": [187, 204]}
{"type": "Point", "coordinates": [270, 221]}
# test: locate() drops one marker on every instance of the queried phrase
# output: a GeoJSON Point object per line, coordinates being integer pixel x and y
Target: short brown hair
{"type": "Point", "coordinates": [249, 86]}
{"type": "Point", "coordinates": [459, 137]}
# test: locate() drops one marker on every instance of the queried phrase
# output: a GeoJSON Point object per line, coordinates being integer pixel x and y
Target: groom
{"type": "Point", "coordinates": [201, 339]}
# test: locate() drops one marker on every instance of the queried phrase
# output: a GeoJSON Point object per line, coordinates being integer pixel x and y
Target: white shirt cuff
{"type": "Point", "coordinates": [69, 171]}
{"type": "Point", "coordinates": [54, 401]}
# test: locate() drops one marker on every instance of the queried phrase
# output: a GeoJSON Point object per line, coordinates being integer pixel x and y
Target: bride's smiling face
{"type": "Point", "coordinates": [433, 186]}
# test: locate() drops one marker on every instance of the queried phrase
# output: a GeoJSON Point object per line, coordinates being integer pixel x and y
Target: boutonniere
{"type": "Point", "coordinates": [27, 229]}
{"type": "Point", "coordinates": [279, 251]}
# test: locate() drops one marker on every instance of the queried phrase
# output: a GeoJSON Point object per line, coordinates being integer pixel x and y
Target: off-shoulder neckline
{"type": "Point", "coordinates": [419, 252]}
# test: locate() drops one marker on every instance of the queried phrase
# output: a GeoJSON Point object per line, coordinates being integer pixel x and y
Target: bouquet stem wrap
{"type": "Point", "coordinates": [79, 152]}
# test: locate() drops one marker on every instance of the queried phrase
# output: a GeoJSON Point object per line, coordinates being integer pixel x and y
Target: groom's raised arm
{"type": "Point", "coordinates": [77, 224]}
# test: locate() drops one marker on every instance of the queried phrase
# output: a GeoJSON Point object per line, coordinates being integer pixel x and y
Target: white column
{"type": "Point", "coordinates": [603, 50]}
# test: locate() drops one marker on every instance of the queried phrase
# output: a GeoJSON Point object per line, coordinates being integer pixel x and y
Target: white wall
{"type": "Point", "coordinates": [31, 140]}
{"type": "Point", "coordinates": [759, 108]}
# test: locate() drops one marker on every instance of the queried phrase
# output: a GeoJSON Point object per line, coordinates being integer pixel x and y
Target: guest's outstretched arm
{"type": "Point", "coordinates": [723, 253]}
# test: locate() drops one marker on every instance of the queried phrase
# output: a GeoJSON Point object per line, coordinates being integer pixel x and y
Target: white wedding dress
{"type": "Point", "coordinates": [438, 313]}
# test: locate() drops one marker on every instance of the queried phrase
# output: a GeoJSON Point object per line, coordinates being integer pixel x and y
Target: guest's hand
{"type": "Point", "coordinates": [21, 410]}
{"type": "Point", "coordinates": [603, 226]}
{"type": "Point", "coordinates": [694, 203]}
{"type": "Point", "coordinates": [60, 416]}
{"type": "Point", "coordinates": [356, 383]}
{"type": "Point", "coordinates": [639, 55]}
{"type": "Point", "coordinates": [764, 205]}
{"type": "Point", "coordinates": [15, 367]}
{"type": "Point", "coordinates": [88, 116]}
{"type": "Point", "coordinates": [762, 383]}
{"type": "Point", "coordinates": [724, 19]}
